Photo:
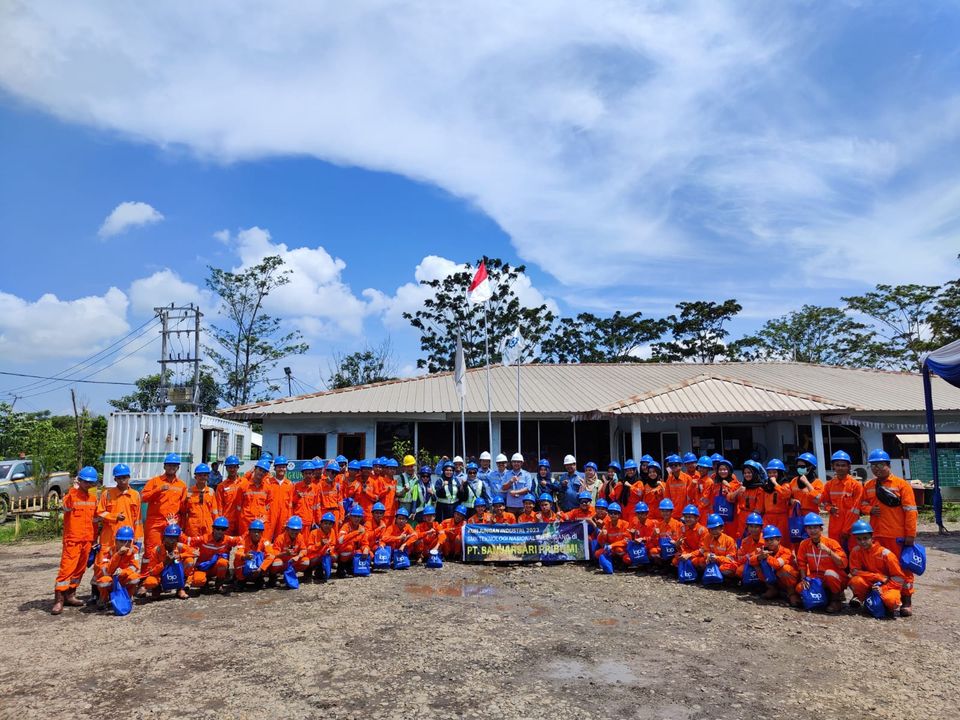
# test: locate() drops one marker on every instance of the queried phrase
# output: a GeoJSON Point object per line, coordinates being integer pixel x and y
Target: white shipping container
{"type": "Point", "coordinates": [142, 440]}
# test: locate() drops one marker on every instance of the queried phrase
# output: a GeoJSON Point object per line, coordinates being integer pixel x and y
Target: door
{"type": "Point", "coordinates": [352, 445]}
{"type": "Point", "coordinates": [18, 482]}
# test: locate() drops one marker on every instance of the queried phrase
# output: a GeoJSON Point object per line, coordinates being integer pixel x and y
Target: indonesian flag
{"type": "Point", "coordinates": [480, 290]}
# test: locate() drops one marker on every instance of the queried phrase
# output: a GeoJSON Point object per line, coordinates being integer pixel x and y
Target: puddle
{"type": "Point", "coordinates": [462, 589]}
{"type": "Point", "coordinates": [607, 672]}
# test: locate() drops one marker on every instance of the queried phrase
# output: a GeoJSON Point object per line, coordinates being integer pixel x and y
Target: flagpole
{"type": "Point", "coordinates": [518, 404]}
{"type": "Point", "coordinates": [486, 349]}
{"type": "Point", "coordinates": [463, 429]}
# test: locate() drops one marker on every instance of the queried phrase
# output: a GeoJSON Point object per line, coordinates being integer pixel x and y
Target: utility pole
{"type": "Point", "coordinates": [171, 319]}
{"type": "Point", "coordinates": [289, 373]}
{"type": "Point", "coordinates": [76, 419]}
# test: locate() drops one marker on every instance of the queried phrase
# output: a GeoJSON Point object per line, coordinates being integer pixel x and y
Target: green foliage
{"type": "Point", "coordinates": [812, 334]}
{"type": "Point", "coordinates": [51, 440]}
{"type": "Point", "coordinates": [374, 364]}
{"type": "Point", "coordinates": [900, 316]}
{"type": "Point", "coordinates": [251, 344]}
{"type": "Point", "coordinates": [698, 332]}
{"type": "Point", "coordinates": [945, 319]}
{"type": "Point", "coordinates": [146, 396]}
{"type": "Point", "coordinates": [45, 526]}
{"type": "Point", "coordinates": [447, 314]}
{"type": "Point", "coordinates": [588, 338]}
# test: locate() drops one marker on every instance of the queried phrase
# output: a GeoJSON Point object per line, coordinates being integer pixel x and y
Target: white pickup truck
{"type": "Point", "coordinates": [17, 482]}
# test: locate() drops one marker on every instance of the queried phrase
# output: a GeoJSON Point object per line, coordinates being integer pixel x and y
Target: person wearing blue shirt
{"type": "Point", "coordinates": [544, 479]}
{"type": "Point", "coordinates": [495, 478]}
{"type": "Point", "coordinates": [517, 483]}
{"type": "Point", "coordinates": [568, 485]}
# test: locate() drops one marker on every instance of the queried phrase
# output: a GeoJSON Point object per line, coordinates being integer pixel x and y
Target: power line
{"type": "Point", "coordinates": [47, 377]}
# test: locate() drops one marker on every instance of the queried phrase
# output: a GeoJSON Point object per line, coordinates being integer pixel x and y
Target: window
{"type": "Point", "coordinates": [351, 445]}
{"type": "Point", "coordinates": [223, 445]}
{"type": "Point", "coordinates": [238, 445]}
{"type": "Point", "coordinates": [390, 432]}
{"type": "Point", "coordinates": [556, 440]}
{"type": "Point", "coordinates": [593, 442]}
{"type": "Point", "coordinates": [303, 447]}
{"type": "Point", "coordinates": [528, 446]}
{"type": "Point", "coordinates": [835, 437]}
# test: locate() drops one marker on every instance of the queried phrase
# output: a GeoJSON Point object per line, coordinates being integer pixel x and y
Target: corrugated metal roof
{"type": "Point", "coordinates": [588, 388]}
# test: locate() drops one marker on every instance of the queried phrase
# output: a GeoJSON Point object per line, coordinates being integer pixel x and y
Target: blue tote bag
{"type": "Point", "coordinates": [795, 524]}
{"type": "Point", "coordinates": [637, 552]}
{"type": "Point", "coordinates": [874, 604]}
{"type": "Point", "coordinates": [914, 558]}
{"type": "Point", "coordinates": [120, 598]}
{"type": "Point", "coordinates": [401, 561]}
{"type": "Point", "coordinates": [815, 596]}
{"type": "Point", "coordinates": [172, 576]}
{"type": "Point", "coordinates": [724, 508]}
{"type": "Point", "coordinates": [712, 574]}
{"type": "Point", "coordinates": [667, 549]}
{"type": "Point", "coordinates": [252, 566]}
{"type": "Point", "coordinates": [290, 576]}
{"type": "Point", "coordinates": [750, 577]}
{"type": "Point", "coordinates": [361, 565]}
{"type": "Point", "coordinates": [382, 557]}
{"type": "Point", "coordinates": [686, 572]}
{"type": "Point", "coordinates": [769, 574]}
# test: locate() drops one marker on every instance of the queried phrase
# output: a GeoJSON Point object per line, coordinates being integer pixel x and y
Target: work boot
{"type": "Point", "coordinates": [272, 581]}
{"type": "Point", "coordinates": [771, 593]}
{"type": "Point", "coordinates": [906, 608]}
{"type": "Point", "coordinates": [795, 600]}
{"type": "Point", "coordinates": [71, 599]}
{"type": "Point", "coordinates": [57, 603]}
{"type": "Point", "coordinates": [833, 607]}
{"type": "Point", "coordinates": [855, 604]}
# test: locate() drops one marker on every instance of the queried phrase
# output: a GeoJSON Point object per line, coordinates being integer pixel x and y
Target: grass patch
{"type": "Point", "coordinates": [46, 526]}
{"type": "Point", "coordinates": [951, 513]}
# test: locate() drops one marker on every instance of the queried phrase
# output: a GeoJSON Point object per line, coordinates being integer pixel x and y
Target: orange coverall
{"type": "Point", "coordinates": [892, 523]}
{"type": "Point", "coordinates": [351, 541]}
{"type": "Point", "coordinates": [815, 563]}
{"type": "Point", "coordinates": [615, 535]}
{"type": "Point", "coordinates": [452, 534]}
{"type": "Point", "coordinates": [305, 503]}
{"type": "Point", "coordinates": [394, 536]}
{"type": "Point", "coordinates": [642, 530]}
{"type": "Point", "coordinates": [524, 517]}
{"type": "Point", "coordinates": [330, 496]}
{"type": "Point", "coordinates": [206, 548]}
{"type": "Point", "coordinates": [547, 517]}
{"type": "Point", "coordinates": [247, 545]}
{"type": "Point", "coordinates": [700, 493]}
{"type": "Point", "coordinates": [677, 488]}
{"type": "Point", "coordinates": [285, 549]}
{"type": "Point", "coordinates": [199, 510]}
{"type": "Point", "coordinates": [723, 547]}
{"type": "Point", "coordinates": [283, 499]}
{"type": "Point", "coordinates": [227, 497]}
{"type": "Point", "coordinates": [163, 507]}
{"type": "Point", "coordinates": [876, 565]}
{"type": "Point", "coordinates": [671, 529]}
{"type": "Point", "coordinates": [784, 564]}
{"type": "Point", "coordinates": [256, 502]}
{"type": "Point", "coordinates": [156, 559]}
{"type": "Point", "coordinates": [321, 543]}
{"type": "Point", "coordinates": [842, 499]}
{"type": "Point", "coordinates": [691, 539]}
{"type": "Point", "coordinates": [427, 536]}
{"type": "Point", "coordinates": [79, 510]}
{"type": "Point", "coordinates": [750, 500]}
{"type": "Point", "coordinates": [716, 490]}
{"type": "Point", "coordinates": [112, 503]}
{"type": "Point", "coordinates": [125, 565]}
{"type": "Point", "coordinates": [578, 514]}
{"type": "Point", "coordinates": [809, 499]}
{"type": "Point", "coordinates": [503, 518]}
{"type": "Point", "coordinates": [776, 511]}
{"type": "Point", "coordinates": [367, 495]}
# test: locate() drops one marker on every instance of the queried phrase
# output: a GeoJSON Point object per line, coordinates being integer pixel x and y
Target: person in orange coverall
{"type": "Point", "coordinates": [481, 516]}
{"type": "Point", "coordinates": [499, 516]}
{"type": "Point", "coordinates": [529, 514]}
{"type": "Point", "coordinates": [749, 497]}
{"type": "Point", "coordinates": [353, 538]}
{"type": "Point", "coordinates": [304, 500]}
{"type": "Point", "coordinates": [677, 483]}
{"type": "Point", "coordinates": [164, 496]}
{"type": "Point", "coordinates": [397, 534]}
{"type": "Point", "coordinates": [777, 500]}
{"type": "Point", "coordinates": [118, 506]}
{"type": "Point", "coordinates": [79, 510]}
{"type": "Point", "coordinates": [290, 546]}
{"type": "Point", "coordinates": [227, 492]}
{"type": "Point", "coordinates": [169, 550]}
{"type": "Point", "coordinates": [806, 488]}
{"type": "Point", "coordinates": [584, 509]}
{"type": "Point", "coordinates": [452, 532]}
{"type": "Point", "coordinates": [642, 527]}
{"type": "Point", "coordinates": [547, 513]}
{"type": "Point", "coordinates": [888, 502]}
{"type": "Point", "coordinates": [255, 500]}
{"type": "Point", "coordinates": [428, 534]}
{"type": "Point", "coordinates": [282, 495]}
{"type": "Point", "coordinates": [332, 489]}
{"type": "Point", "coordinates": [213, 553]}
{"type": "Point", "coordinates": [872, 565]}
{"type": "Point", "coordinates": [119, 560]}
{"type": "Point", "coordinates": [612, 539]}
{"type": "Point", "coordinates": [821, 557]}
{"type": "Point", "coordinates": [379, 524]}
{"type": "Point", "coordinates": [841, 498]}
{"type": "Point", "coordinates": [701, 489]}
{"type": "Point", "coordinates": [253, 541]}
{"type": "Point", "coordinates": [691, 538]}
{"type": "Point", "coordinates": [665, 528]}
{"type": "Point", "coordinates": [200, 505]}
{"type": "Point", "coordinates": [782, 561]}
{"type": "Point", "coordinates": [717, 547]}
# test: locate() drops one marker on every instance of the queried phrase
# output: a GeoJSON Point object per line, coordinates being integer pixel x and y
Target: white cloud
{"type": "Point", "coordinates": [610, 140]}
{"type": "Point", "coordinates": [165, 287]}
{"type": "Point", "coordinates": [55, 328]}
{"type": "Point", "coordinates": [127, 215]}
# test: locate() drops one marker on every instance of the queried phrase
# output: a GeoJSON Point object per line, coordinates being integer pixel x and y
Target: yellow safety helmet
{"type": "Point", "coordinates": [409, 460]}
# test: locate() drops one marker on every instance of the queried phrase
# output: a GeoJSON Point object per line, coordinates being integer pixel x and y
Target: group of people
{"type": "Point", "coordinates": [763, 529]}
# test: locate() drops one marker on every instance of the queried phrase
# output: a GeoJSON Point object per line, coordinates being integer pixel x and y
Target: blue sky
{"type": "Point", "coordinates": [632, 155]}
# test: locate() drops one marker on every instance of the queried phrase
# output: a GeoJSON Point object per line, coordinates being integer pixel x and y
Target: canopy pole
{"type": "Point", "coordinates": [934, 464]}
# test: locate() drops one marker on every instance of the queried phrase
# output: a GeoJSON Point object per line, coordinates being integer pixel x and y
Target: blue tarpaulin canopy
{"type": "Point", "coordinates": [944, 363]}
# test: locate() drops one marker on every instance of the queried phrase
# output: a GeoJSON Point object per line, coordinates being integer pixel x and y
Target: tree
{"type": "Point", "coordinates": [901, 318]}
{"type": "Point", "coordinates": [253, 342]}
{"type": "Point", "coordinates": [591, 339]}
{"type": "Point", "coordinates": [697, 332]}
{"type": "Point", "coordinates": [812, 334]}
{"type": "Point", "coordinates": [945, 318]}
{"type": "Point", "coordinates": [50, 440]}
{"type": "Point", "coordinates": [373, 364]}
{"type": "Point", "coordinates": [447, 314]}
{"type": "Point", "coordinates": [146, 398]}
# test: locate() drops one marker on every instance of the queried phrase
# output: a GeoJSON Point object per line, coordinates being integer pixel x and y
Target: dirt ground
{"type": "Point", "coordinates": [500, 642]}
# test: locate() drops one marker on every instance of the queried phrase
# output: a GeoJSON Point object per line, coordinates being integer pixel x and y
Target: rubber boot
{"type": "Point", "coordinates": [906, 607]}
{"type": "Point", "coordinates": [57, 603]}
{"type": "Point", "coordinates": [70, 599]}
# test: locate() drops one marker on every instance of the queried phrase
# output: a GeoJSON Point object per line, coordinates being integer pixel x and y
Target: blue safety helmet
{"type": "Point", "coordinates": [231, 461]}
{"type": "Point", "coordinates": [689, 457]}
{"type": "Point", "coordinates": [543, 463]}
{"type": "Point", "coordinates": [263, 464]}
{"type": "Point", "coordinates": [295, 523]}
{"type": "Point", "coordinates": [221, 522]}
{"type": "Point", "coordinates": [809, 458]}
{"type": "Point", "coordinates": [429, 510]}
{"type": "Point", "coordinates": [705, 462]}
{"type": "Point", "coordinates": [812, 518]}
{"type": "Point", "coordinates": [878, 456]}
{"type": "Point", "coordinates": [88, 474]}
{"type": "Point", "coordinates": [307, 465]}
{"type": "Point", "coordinates": [591, 464]}
{"type": "Point", "coordinates": [403, 512]}
{"type": "Point", "coordinates": [716, 457]}
{"type": "Point", "coordinates": [530, 497]}
{"type": "Point", "coordinates": [601, 503]}
{"type": "Point", "coordinates": [341, 458]}
{"type": "Point", "coordinates": [544, 497]}
{"type": "Point", "coordinates": [257, 525]}
{"type": "Point", "coordinates": [356, 511]}
{"type": "Point", "coordinates": [426, 470]}
{"type": "Point", "coordinates": [121, 470]}
{"type": "Point", "coordinates": [497, 500]}
{"type": "Point", "coordinates": [379, 506]}
{"type": "Point", "coordinates": [472, 466]}
{"type": "Point", "coordinates": [330, 517]}
{"type": "Point", "coordinates": [392, 463]}
{"type": "Point", "coordinates": [646, 458]}
{"type": "Point", "coordinates": [201, 469]}
{"type": "Point", "coordinates": [861, 527]}
{"type": "Point", "coordinates": [840, 456]}
{"type": "Point", "coordinates": [444, 465]}
{"type": "Point", "coordinates": [654, 464]}
{"type": "Point", "coordinates": [479, 502]}
{"type": "Point", "coordinates": [691, 510]}
{"type": "Point", "coordinates": [584, 496]}
{"type": "Point", "coordinates": [776, 464]}
{"type": "Point", "coordinates": [366, 464]}
{"type": "Point", "coordinates": [462, 509]}
{"type": "Point", "coordinates": [666, 504]}
{"type": "Point", "coordinates": [673, 459]}
{"type": "Point", "coordinates": [279, 460]}
{"type": "Point", "coordinates": [754, 518]}
{"type": "Point", "coordinates": [379, 461]}
{"type": "Point", "coordinates": [614, 507]}
{"type": "Point", "coordinates": [714, 521]}
{"type": "Point", "coordinates": [615, 465]}
{"type": "Point", "coordinates": [724, 461]}
{"type": "Point", "coordinates": [173, 531]}
{"type": "Point", "coordinates": [171, 459]}
{"type": "Point", "coordinates": [353, 465]}
{"type": "Point", "coordinates": [332, 467]}
{"type": "Point", "coordinates": [630, 464]}
{"type": "Point", "coordinates": [771, 531]}
{"type": "Point", "coordinates": [757, 468]}
{"type": "Point", "coordinates": [124, 532]}
{"type": "Point", "coordinates": [641, 507]}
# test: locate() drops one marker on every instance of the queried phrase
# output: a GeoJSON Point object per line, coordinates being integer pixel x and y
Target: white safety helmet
{"type": "Point", "coordinates": [501, 458]}
{"type": "Point", "coordinates": [569, 460]}
{"type": "Point", "coordinates": [517, 457]}
{"type": "Point", "coordinates": [486, 456]}
{"type": "Point", "coordinates": [458, 459]}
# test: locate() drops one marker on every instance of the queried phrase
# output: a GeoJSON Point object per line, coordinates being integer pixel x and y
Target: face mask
{"type": "Point", "coordinates": [801, 471]}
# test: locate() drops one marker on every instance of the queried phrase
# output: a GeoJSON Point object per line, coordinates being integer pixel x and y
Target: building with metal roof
{"type": "Point", "coordinates": [614, 411]}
